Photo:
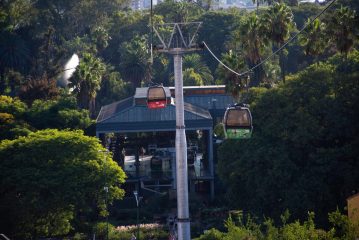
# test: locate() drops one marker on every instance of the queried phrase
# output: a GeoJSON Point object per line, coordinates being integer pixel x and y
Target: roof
{"type": "Point", "coordinates": [202, 105]}
{"type": "Point", "coordinates": [111, 109]}
{"type": "Point", "coordinates": [123, 116]}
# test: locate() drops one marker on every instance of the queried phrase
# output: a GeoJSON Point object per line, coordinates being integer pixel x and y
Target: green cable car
{"type": "Point", "coordinates": [238, 122]}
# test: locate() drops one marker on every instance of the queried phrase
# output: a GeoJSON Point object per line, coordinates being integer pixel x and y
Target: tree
{"type": "Point", "coordinates": [42, 87]}
{"type": "Point", "coordinates": [249, 39]}
{"type": "Point", "coordinates": [12, 114]}
{"type": "Point", "coordinates": [52, 179]}
{"type": "Point", "coordinates": [14, 52]}
{"type": "Point", "coordinates": [113, 88]}
{"type": "Point", "coordinates": [62, 113]}
{"type": "Point", "coordinates": [301, 156]}
{"type": "Point", "coordinates": [135, 64]}
{"type": "Point", "coordinates": [215, 31]}
{"type": "Point", "coordinates": [234, 84]}
{"type": "Point", "coordinates": [16, 14]}
{"type": "Point", "coordinates": [341, 28]}
{"type": "Point", "coordinates": [277, 23]}
{"type": "Point", "coordinates": [314, 38]}
{"type": "Point", "coordinates": [86, 81]}
{"type": "Point", "coordinates": [244, 227]}
{"type": "Point", "coordinates": [173, 11]}
{"type": "Point", "coordinates": [193, 63]}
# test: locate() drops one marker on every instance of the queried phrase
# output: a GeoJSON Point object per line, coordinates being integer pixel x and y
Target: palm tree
{"type": "Point", "coordinates": [14, 55]}
{"type": "Point", "coordinates": [234, 83]}
{"type": "Point", "coordinates": [277, 23]}
{"type": "Point", "coordinates": [135, 65]}
{"type": "Point", "coordinates": [341, 28]}
{"type": "Point", "coordinates": [251, 41]}
{"type": "Point", "coordinates": [194, 62]}
{"type": "Point", "coordinates": [86, 81]}
{"type": "Point", "coordinates": [313, 39]}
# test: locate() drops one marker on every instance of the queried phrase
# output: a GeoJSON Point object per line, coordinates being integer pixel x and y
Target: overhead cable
{"type": "Point", "coordinates": [275, 52]}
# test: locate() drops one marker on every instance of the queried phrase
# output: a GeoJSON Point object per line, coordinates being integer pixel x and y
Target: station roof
{"type": "Point", "coordinates": [213, 98]}
{"type": "Point", "coordinates": [132, 115]}
{"type": "Point", "coordinates": [202, 105]}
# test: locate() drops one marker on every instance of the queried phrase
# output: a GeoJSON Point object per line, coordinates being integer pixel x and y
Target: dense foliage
{"type": "Point", "coordinates": [244, 228]}
{"type": "Point", "coordinates": [17, 119]}
{"type": "Point", "coordinates": [52, 181]}
{"type": "Point", "coordinates": [304, 152]}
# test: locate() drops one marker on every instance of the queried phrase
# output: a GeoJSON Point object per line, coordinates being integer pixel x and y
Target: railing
{"type": "Point", "coordinates": [150, 174]}
{"type": "Point", "coordinates": [193, 172]}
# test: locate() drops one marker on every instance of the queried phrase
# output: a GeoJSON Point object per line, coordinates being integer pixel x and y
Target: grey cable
{"type": "Point", "coordinates": [275, 52]}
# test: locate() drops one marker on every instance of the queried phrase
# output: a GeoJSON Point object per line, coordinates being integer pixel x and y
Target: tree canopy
{"type": "Point", "coordinates": [302, 155]}
{"type": "Point", "coordinates": [50, 178]}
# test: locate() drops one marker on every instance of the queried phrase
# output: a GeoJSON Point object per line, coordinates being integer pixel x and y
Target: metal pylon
{"type": "Point", "coordinates": [177, 39]}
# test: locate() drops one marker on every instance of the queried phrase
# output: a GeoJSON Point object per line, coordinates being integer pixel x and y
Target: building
{"type": "Point", "coordinates": [143, 140]}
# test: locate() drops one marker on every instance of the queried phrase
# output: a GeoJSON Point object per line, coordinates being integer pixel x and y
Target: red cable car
{"type": "Point", "coordinates": [238, 122]}
{"type": "Point", "coordinates": [156, 97]}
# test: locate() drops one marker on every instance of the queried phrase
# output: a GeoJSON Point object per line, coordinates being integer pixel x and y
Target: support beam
{"type": "Point", "coordinates": [210, 161]}
{"type": "Point", "coordinates": [184, 230]}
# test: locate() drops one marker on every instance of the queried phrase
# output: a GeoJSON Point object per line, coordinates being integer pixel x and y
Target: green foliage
{"type": "Point", "coordinates": [341, 28]}
{"type": "Point", "coordinates": [234, 84]}
{"type": "Point", "coordinates": [18, 119]}
{"type": "Point", "coordinates": [125, 233]}
{"type": "Point", "coordinates": [135, 66]}
{"type": "Point", "coordinates": [59, 114]}
{"type": "Point", "coordinates": [173, 11]}
{"type": "Point", "coordinates": [12, 105]}
{"type": "Point", "coordinates": [51, 176]}
{"type": "Point", "coordinates": [86, 81]}
{"type": "Point", "coordinates": [212, 234]}
{"type": "Point", "coordinates": [12, 112]}
{"type": "Point", "coordinates": [113, 89]}
{"type": "Point", "coordinates": [196, 72]}
{"type": "Point", "coordinates": [16, 14]}
{"type": "Point", "coordinates": [301, 156]}
{"type": "Point", "coordinates": [215, 31]}
{"type": "Point", "coordinates": [250, 39]}
{"type": "Point", "coordinates": [246, 229]}
{"type": "Point", "coordinates": [219, 131]}
{"type": "Point", "coordinates": [314, 39]}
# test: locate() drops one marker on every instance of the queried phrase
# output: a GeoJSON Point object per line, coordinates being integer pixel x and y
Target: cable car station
{"type": "Point", "coordinates": [142, 138]}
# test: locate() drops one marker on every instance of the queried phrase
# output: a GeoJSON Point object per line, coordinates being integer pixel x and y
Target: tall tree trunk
{"type": "Point", "coordinates": [2, 83]}
{"type": "Point", "coordinates": [282, 65]}
{"type": "Point", "coordinates": [258, 76]}
{"type": "Point", "coordinates": [92, 108]}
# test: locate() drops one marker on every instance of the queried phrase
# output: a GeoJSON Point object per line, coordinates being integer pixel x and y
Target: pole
{"type": "Point", "coordinates": [138, 199]}
{"type": "Point", "coordinates": [106, 192]}
{"type": "Point", "coordinates": [183, 224]}
{"type": "Point", "coordinates": [138, 226]}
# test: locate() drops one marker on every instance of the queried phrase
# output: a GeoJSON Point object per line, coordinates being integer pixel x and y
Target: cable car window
{"type": "Point", "coordinates": [238, 123]}
{"type": "Point", "coordinates": [156, 93]}
{"type": "Point", "coordinates": [156, 97]}
{"type": "Point", "coordinates": [238, 118]}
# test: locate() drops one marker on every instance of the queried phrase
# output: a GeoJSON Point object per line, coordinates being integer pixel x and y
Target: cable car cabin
{"type": "Point", "coordinates": [156, 97]}
{"type": "Point", "coordinates": [238, 123]}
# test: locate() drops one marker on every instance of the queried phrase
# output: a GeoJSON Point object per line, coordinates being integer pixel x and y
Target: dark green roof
{"type": "Point", "coordinates": [126, 116]}
{"type": "Point", "coordinates": [132, 114]}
